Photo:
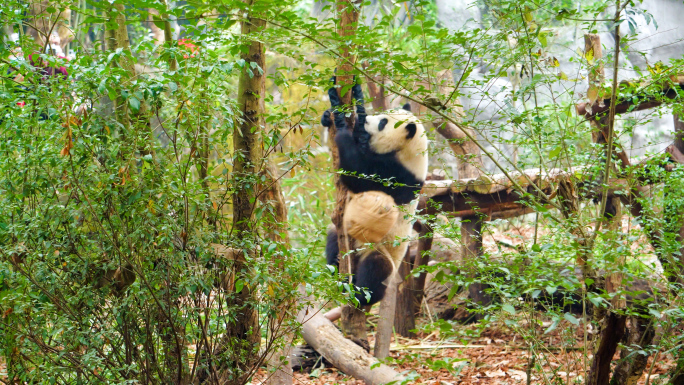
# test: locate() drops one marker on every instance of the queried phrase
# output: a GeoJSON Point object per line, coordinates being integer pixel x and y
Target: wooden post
{"type": "Point", "coordinates": [422, 258]}
{"type": "Point", "coordinates": [471, 238]}
{"type": "Point", "coordinates": [404, 316]}
{"type": "Point", "coordinates": [383, 335]}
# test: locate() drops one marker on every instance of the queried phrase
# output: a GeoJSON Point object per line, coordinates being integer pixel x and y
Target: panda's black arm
{"type": "Point", "coordinates": [352, 159]}
{"type": "Point", "coordinates": [335, 103]}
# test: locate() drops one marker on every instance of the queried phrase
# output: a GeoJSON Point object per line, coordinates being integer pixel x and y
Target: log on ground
{"type": "Point", "coordinates": [347, 356]}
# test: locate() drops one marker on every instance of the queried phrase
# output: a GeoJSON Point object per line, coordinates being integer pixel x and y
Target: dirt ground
{"type": "Point", "coordinates": [497, 356]}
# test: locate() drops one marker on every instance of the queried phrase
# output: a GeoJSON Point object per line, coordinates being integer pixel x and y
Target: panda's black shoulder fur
{"type": "Point", "coordinates": [366, 170]}
{"type": "Point", "coordinates": [376, 172]}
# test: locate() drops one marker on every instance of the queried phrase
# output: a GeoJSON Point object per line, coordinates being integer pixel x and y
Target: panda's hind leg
{"type": "Point", "coordinates": [372, 273]}
{"type": "Point", "coordinates": [332, 249]}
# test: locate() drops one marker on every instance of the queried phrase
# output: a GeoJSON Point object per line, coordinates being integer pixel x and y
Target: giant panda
{"type": "Point", "coordinates": [388, 147]}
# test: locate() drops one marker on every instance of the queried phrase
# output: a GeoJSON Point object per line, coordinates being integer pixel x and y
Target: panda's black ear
{"type": "Point", "coordinates": [406, 107]}
{"type": "Point", "coordinates": [411, 130]}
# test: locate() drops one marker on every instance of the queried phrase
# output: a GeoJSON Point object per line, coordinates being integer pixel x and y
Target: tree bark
{"type": "Point", "coordinates": [639, 336]}
{"type": "Point", "coordinates": [117, 38]}
{"type": "Point", "coordinates": [243, 334]}
{"type": "Point", "coordinates": [673, 215]}
{"type": "Point", "coordinates": [276, 230]}
{"type": "Point", "coordinates": [611, 334]}
{"type": "Point", "coordinates": [353, 319]}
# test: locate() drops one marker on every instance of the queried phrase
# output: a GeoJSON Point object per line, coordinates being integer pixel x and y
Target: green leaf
{"type": "Point", "coordinates": [542, 39]}
{"type": "Point", "coordinates": [571, 318]}
{"type": "Point", "coordinates": [508, 308]}
{"type": "Point", "coordinates": [552, 327]}
{"type": "Point", "coordinates": [239, 284]}
{"type": "Point", "coordinates": [134, 103]}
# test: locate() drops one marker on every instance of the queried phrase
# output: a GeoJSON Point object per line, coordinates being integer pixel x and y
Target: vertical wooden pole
{"type": "Point", "coordinates": [422, 258]}
{"type": "Point", "coordinates": [383, 334]}
{"type": "Point", "coordinates": [404, 317]}
{"type": "Point", "coordinates": [471, 238]}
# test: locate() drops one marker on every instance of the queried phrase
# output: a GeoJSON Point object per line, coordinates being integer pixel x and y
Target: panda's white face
{"type": "Point", "coordinates": [401, 132]}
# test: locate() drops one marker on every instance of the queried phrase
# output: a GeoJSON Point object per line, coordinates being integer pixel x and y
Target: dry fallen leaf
{"type": "Point", "coordinates": [504, 362]}
{"type": "Point", "coordinates": [495, 373]}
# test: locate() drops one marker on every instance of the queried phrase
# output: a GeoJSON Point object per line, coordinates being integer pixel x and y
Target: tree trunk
{"type": "Point", "coordinates": [46, 23]}
{"type": "Point", "coordinates": [639, 336]}
{"type": "Point", "coordinates": [611, 334]}
{"type": "Point", "coordinates": [353, 319]}
{"type": "Point", "coordinates": [117, 38]}
{"type": "Point", "coordinates": [276, 230]}
{"type": "Point", "coordinates": [673, 216]}
{"type": "Point", "coordinates": [243, 332]}
{"type": "Point", "coordinates": [611, 325]}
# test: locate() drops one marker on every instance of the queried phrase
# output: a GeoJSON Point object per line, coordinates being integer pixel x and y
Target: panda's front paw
{"type": "Point", "coordinates": [326, 119]}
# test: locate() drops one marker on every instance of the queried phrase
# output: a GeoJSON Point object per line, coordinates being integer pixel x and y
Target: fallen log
{"type": "Point", "coordinates": [344, 354]}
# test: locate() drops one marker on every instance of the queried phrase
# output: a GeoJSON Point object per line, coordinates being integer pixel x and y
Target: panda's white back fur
{"type": "Point", "coordinates": [411, 152]}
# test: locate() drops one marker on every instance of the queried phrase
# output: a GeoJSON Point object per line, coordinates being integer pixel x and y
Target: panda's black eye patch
{"type": "Point", "coordinates": [382, 124]}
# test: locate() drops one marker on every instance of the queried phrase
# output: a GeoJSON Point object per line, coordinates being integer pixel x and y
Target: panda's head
{"type": "Point", "coordinates": [396, 131]}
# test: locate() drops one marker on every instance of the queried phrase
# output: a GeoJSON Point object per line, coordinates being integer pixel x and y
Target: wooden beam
{"type": "Point", "coordinates": [601, 107]}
